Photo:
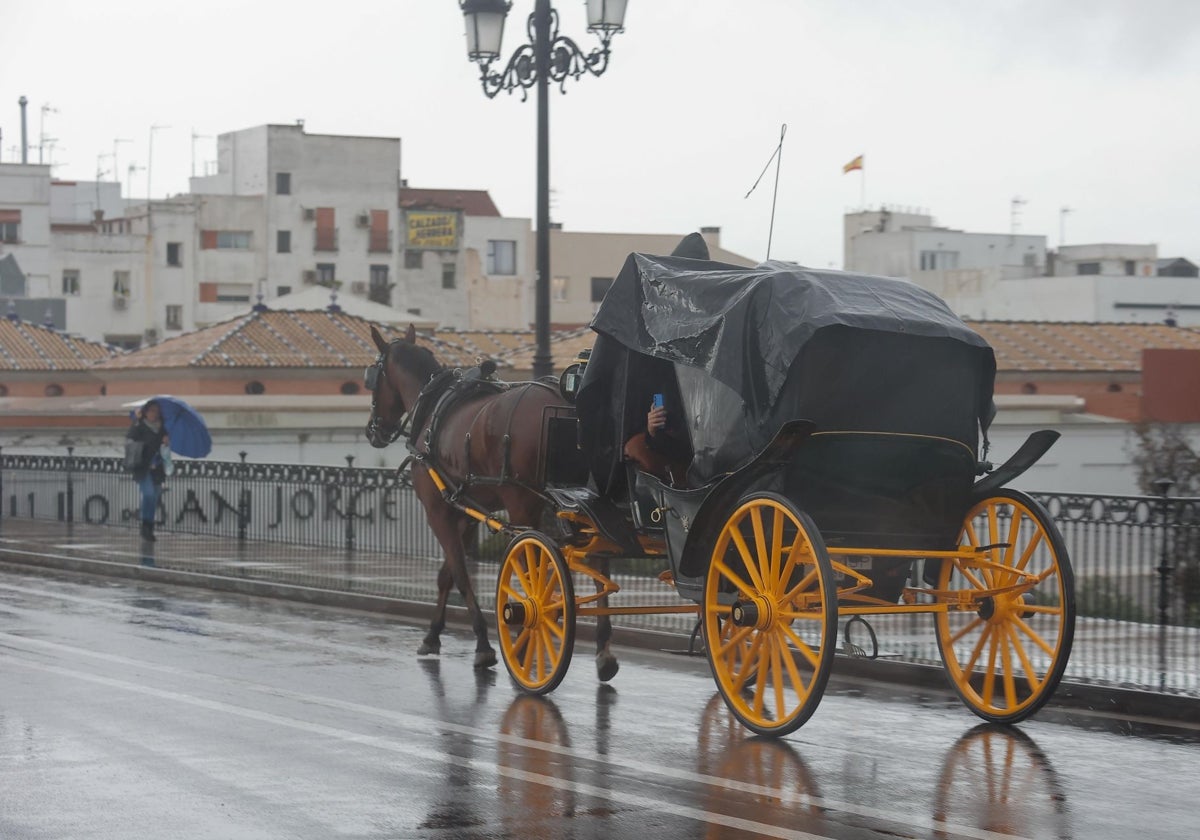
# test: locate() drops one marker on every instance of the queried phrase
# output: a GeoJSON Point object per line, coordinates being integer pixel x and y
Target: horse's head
{"type": "Point", "coordinates": [395, 380]}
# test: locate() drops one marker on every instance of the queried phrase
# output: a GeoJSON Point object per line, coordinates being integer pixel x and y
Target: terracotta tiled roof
{"type": "Point", "coordinates": [471, 202]}
{"type": "Point", "coordinates": [1032, 346]}
{"type": "Point", "coordinates": [30, 347]}
{"type": "Point", "coordinates": [282, 339]}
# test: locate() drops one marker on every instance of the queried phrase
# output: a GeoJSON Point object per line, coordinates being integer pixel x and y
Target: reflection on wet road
{"type": "Point", "coordinates": [130, 710]}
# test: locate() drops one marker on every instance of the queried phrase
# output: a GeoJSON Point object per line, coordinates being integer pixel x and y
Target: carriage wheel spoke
{"type": "Point", "coordinates": [789, 567]}
{"type": "Point", "coordinates": [805, 583]}
{"type": "Point", "coordinates": [777, 676]}
{"type": "Point", "coordinates": [1006, 666]}
{"type": "Point", "coordinates": [760, 682]}
{"type": "Point", "coordinates": [793, 672]}
{"type": "Point", "coordinates": [747, 558]}
{"type": "Point", "coordinates": [975, 622]}
{"type": "Point", "coordinates": [736, 639]}
{"type": "Point", "coordinates": [1038, 537]}
{"type": "Point", "coordinates": [760, 545]}
{"type": "Point", "coordinates": [805, 650]}
{"type": "Point", "coordinates": [510, 592]}
{"type": "Point", "coordinates": [968, 573]}
{"type": "Point", "coordinates": [734, 578]}
{"type": "Point", "coordinates": [1034, 636]}
{"type": "Point", "coordinates": [519, 643]}
{"type": "Point", "coordinates": [989, 673]}
{"type": "Point", "coordinates": [1026, 665]}
{"type": "Point", "coordinates": [979, 645]}
{"type": "Point", "coordinates": [776, 555]}
{"type": "Point", "coordinates": [752, 652]}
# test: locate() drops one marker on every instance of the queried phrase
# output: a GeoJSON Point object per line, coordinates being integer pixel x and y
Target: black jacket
{"type": "Point", "coordinates": [150, 461]}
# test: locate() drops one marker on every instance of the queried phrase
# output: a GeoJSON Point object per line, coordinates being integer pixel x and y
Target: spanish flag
{"type": "Point", "coordinates": [857, 163]}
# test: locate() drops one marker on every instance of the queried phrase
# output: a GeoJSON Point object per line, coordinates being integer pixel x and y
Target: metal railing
{"type": "Point", "coordinates": [1136, 559]}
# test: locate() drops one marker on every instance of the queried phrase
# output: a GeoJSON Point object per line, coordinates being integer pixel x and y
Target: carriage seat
{"type": "Point", "coordinates": [610, 520]}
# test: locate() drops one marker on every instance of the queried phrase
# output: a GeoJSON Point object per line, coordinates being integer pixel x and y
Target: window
{"type": "Point", "coordinates": [53, 390]}
{"type": "Point", "coordinates": [283, 183]}
{"type": "Point", "coordinates": [502, 256]}
{"type": "Point", "coordinates": [1087, 268]}
{"type": "Point", "coordinates": [448, 281]}
{"type": "Point", "coordinates": [70, 281]}
{"type": "Point", "coordinates": [283, 241]}
{"type": "Point", "coordinates": [233, 292]}
{"type": "Point", "coordinates": [225, 239]}
{"type": "Point", "coordinates": [121, 284]}
{"type": "Point", "coordinates": [174, 317]}
{"type": "Point", "coordinates": [380, 290]}
{"type": "Point", "coordinates": [255, 387]}
{"type": "Point", "coordinates": [414, 311]}
{"type": "Point", "coordinates": [600, 288]}
{"type": "Point", "coordinates": [326, 274]}
{"type": "Point", "coordinates": [558, 289]}
{"type": "Point", "coordinates": [414, 259]}
{"type": "Point", "coordinates": [173, 254]}
{"type": "Point", "coordinates": [233, 239]}
{"type": "Point", "coordinates": [10, 226]}
{"type": "Point", "coordinates": [938, 260]}
{"type": "Point", "coordinates": [280, 291]}
{"type": "Point", "coordinates": [1130, 268]}
{"type": "Point", "coordinates": [349, 388]}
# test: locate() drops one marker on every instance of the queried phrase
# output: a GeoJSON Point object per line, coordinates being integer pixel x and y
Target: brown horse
{"type": "Point", "coordinates": [468, 440]}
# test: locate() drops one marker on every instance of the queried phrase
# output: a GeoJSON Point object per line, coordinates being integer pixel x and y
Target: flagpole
{"type": "Point", "coordinates": [862, 186]}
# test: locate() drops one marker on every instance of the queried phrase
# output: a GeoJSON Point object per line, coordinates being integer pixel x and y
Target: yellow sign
{"type": "Point", "coordinates": [432, 230]}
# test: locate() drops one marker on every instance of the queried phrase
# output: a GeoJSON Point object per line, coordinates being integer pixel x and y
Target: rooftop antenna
{"type": "Point", "coordinates": [1017, 204]}
{"type": "Point", "coordinates": [116, 165]}
{"type": "Point", "coordinates": [133, 167]}
{"type": "Point", "coordinates": [196, 137]}
{"type": "Point", "coordinates": [47, 108]}
{"type": "Point", "coordinates": [776, 156]}
{"type": "Point", "coordinates": [1062, 225]}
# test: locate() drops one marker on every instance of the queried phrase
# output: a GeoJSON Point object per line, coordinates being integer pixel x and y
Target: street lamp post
{"type": "Point", "coordinates": [548, 56]}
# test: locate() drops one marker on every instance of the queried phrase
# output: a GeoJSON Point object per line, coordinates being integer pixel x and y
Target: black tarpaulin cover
{"type": "Point", "coordinates": [738, 351]}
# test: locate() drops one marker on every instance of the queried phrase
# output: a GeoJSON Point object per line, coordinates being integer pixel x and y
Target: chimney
{"type": "Point", "coordinates": [712, 234]}
{"type": "Point", "coordinates": [24, 131]}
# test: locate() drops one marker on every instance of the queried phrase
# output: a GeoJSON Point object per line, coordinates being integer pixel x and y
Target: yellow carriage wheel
{"type": "Point", "coordinates": [535, 613]}
{"type": "Point", "coordinates": [1006, 656]}
{"type": "Point", "coordinates": [770, 614]}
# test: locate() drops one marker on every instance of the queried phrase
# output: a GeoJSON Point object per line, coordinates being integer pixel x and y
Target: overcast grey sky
{"type": "Point", "coordinates": [958, 107]}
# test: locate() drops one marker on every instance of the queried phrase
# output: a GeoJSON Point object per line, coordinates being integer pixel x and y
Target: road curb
{"type": "Point", "coordinates": [1148, 705]}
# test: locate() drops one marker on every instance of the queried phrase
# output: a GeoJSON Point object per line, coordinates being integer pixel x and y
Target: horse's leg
{"type": "Point", "coordinates": [432, 643]}
{"type": "Point", "coordinates": [606, 662]}
{"type": "Point", "coordinates": [449, 534]}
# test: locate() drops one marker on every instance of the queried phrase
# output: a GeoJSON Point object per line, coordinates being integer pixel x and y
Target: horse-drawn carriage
{"type": "Point", "coordinates": [833, 423]}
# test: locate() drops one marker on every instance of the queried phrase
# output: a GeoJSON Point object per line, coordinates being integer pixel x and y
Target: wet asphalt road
{"type": "Point", "coordinates": [131, 711]}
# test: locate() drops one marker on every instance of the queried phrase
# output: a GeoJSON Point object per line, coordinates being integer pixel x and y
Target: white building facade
{"type": "Point", "coordinates": [1013, 277]}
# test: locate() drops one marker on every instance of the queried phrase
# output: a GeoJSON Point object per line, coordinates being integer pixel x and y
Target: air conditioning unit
{"type": "Point", "coordinates": [151, 336]}
{"type": "Point", "coordinates": [310, 213]}
{"type": "Point", "coordinates": [310, 276]}
{"type": "Point", "coordinates": [120, 302]}
{"type": "Point", "coordinates": [363, 220]}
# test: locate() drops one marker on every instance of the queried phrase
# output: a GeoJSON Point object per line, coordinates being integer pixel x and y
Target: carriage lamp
{"type": "Point", "coordinates": [547, 56]}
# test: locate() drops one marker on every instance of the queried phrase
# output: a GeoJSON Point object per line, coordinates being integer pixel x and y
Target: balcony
{"type": "Point", "coordinates": [325, 239]}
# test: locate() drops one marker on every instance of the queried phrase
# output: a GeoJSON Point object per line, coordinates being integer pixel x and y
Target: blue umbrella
{"type": "Point", "coordinates": [186, 428]}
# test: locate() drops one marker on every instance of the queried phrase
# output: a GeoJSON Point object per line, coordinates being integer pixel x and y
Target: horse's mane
{"type": "Point", "coordinates": [417, 359]}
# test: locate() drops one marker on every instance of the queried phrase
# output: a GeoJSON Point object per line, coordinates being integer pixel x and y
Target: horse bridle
{"type": "Point", "coordinates": [371, 377]}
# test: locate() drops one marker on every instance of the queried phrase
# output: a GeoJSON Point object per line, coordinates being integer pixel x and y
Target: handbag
{"type": "Point", "coordinates": [168, 464]}
{"type": "Point", "coordinates": [134, 449]}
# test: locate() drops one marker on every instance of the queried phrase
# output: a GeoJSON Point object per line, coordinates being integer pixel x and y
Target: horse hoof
{"type": "Point", "coordinates": [485, 659]}
{"type": "Point", "coordinates": [606, 666]}
{"type": "Point", "coordinates": [429, 649]}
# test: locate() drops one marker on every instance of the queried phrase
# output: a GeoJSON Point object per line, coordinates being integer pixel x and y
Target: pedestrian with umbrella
{"type": "Point", "coordinates": [162, 425]}
{"type": "Point", "coordinates": [144, 443]}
